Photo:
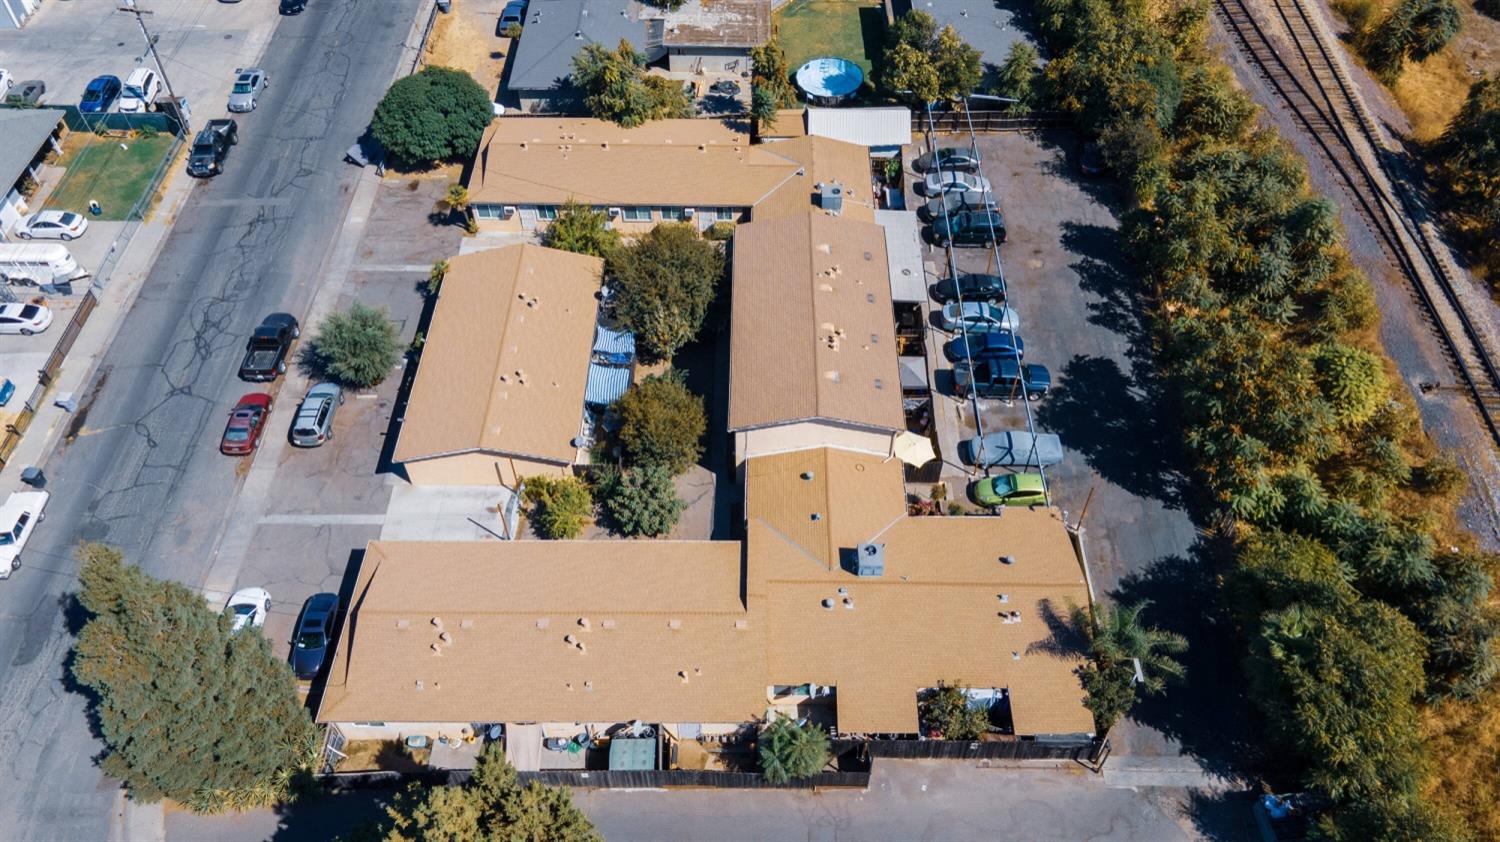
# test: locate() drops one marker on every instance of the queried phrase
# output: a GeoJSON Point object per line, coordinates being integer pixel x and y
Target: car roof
{"type": "Point", "coordinates": [249, 595]}
{"type": "Point", "coordinates": [99, 81]}
{"type": "Point", "coordinates": [22, 501]}
{"type": "Point", "coordinates": [324, 390]}
{"type": "Point", "coordinates": [278, 319]}
{"type": "Point", "coordinates": [253, 399]}
{"type": "Point", "coordinates": [319, 604]}
{"type": "Point", "coordinates": [1028, 482]}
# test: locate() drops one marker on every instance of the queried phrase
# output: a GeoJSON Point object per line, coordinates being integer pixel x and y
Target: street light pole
{"type": "Point", "coordinates": [129, 6]}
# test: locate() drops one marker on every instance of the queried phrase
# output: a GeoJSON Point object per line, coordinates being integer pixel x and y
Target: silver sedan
{"type": "Point", "coordinates": [950, 181]}
{"type": "Point", "coordinates": [248, 84]}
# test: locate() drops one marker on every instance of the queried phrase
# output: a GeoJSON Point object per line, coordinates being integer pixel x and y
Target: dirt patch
{"type": "Point", "coordinates": [465, 38]}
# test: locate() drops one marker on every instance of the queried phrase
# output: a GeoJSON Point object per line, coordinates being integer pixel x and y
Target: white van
{"type": "Point", "coordinates": [140, 90]}
{"type": "Point", "coordinates": [37, 263]}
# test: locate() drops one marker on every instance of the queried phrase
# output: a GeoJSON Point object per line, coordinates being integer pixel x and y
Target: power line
{"type": "Point", "coordinates": [140, 19]}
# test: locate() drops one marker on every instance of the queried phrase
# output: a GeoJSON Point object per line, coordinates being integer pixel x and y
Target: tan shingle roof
{"type": "Point", "coordinates": [508, 607]}
{"type": "Point", "coordinates": [506, 360]}
{"type": "Point", "coordinates": [823, 160]}
{"type": "Point", "coordinates": [814, 332]}
{"type": "Point", "coordinates": [680, 163]}
{"type": "Point", "coordinates": [791, 495]}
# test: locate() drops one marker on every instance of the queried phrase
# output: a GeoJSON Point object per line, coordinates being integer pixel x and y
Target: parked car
{"type": "Point", "coordinates": [958, 200]}
{"type": "Point", "coordinates": [22, 511]}
{"type": "Point", "coordinates": [1009, 490]}
{"type": "Point", "coordinates": [314, 422]}
{"type": "Point", "coordinates": [52, 225]}
{"type": "Point", "coordinates": [514, 14]}
{"type": "Point", "coordinates": [313, 634]}
{"type": "Point", "coordinates": [1091, 160]}
{"type": "Point", "coordinates": [972, 286]}
{"type": "Point", "coordinates": [100, 95]}
{"type": "Point", "coordinates": [247, 422]}
{"type": "Point", "coordinates": [141, 88]}
{"type": "Point", "coordinates": [969, 228]}
{"type": "Point", "coordinates": [976, 316]}
{"type": "Point", "coordinates": [293, 7]}
{"type": "Point", "coordinates": [267, 349]}
{"type": "Point", "coordinates": [248, 607]}
{"type": "Point", "coordinates": [25, 319]}
{"type": "Point", "coordinates": [1012, 449]}
{"type": "Point", "coordinates": [7, 81]}
{"type": "Point", "coordinates": [1001, 378]}
{"type": "Point", "coordinates": [725, 87]}
{"type": "Point", "coordinates": [946, 158]}
{"type": "Point", "coordinates": [949, 181]}
{"type": "Point", "coordinates": [984, 345]}
{"type": "Point", "coordinates": [211, 147]}
{"type": "Point", "coordinates": [248, 84]}
{"type": "Point", "coordinates": [28, 92]}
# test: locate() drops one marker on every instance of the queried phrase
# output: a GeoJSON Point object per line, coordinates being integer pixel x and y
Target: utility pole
{"type": "Point", "coordinates": [129, 6]}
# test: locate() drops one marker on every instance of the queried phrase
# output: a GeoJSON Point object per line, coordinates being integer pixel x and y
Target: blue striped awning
{"type": "Point", "coordinates": [607, 384]}
{"type": "Point", "coordinates": [608, 341]}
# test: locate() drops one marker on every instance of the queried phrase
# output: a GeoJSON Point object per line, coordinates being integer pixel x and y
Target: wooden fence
{"type": "Point", "coordinates": [17, 427]}
{"type": "Point", "coordinates": [1081, 751]}
{"type": "Point", "coordinates": [604, 779]}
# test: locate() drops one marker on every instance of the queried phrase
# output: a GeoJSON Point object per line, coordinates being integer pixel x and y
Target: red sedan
{"type": "Point", "coordinates": [246, 423]}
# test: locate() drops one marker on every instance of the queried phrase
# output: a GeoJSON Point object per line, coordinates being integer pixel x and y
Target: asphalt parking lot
{"type": "Point", "coordinates": [66, 44]}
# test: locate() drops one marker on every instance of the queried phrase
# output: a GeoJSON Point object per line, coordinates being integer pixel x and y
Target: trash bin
{"type": "Point", "coordinates": [33, 476]}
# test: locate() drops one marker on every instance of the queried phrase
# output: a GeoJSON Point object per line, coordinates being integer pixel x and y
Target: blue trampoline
{"type": "Point", "coordinates": [829, 81]}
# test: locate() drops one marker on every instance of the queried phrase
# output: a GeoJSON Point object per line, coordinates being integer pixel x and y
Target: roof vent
{"type": "Point", "coordinates": [403, 624]}
{"type": "Point", "coordinates": [848, 603]}
{"type": "Point", "coordinates": [828, 603]}
{"type": "Point", "coordinates": [543, 623]}
{"type": "Point", "coordinates": [608, 624]}
{"type": "Point", "coordinates": [879, 384]}
{"type": "Point", "coordinates": [466, 624]}
{"type": "Point", "coordinates": [437, 649]}
{"type": "Point", "coordinates": [816, 516]}
{"type": "Point", "coordinates": [446, 638]}
{"type": "Point", "coordinates": [1007, 560]}
{"type": "Point", "coordinates": [1004, 598]}
{"type": "Point", "coordinates": [583, 623]}
{"type": "Point", "coordinates": [807, 475]}
{"type": "Point", "coordinates": [577, 33]}
{"type": "Point", "coordinates": [741, 625]}
{"type": "Point", "coordinates": [1015, 656]}
{"type": "Point", "coordinates": [869, 559]}
{"type": "Point", "coordinates": [589, 686]}
{"type": "Point", "coordinates": [674, 625]}
{"type": "Point", "coordinates": [419, 685]}
{"type": "Point", "coordinates": [682, 674]}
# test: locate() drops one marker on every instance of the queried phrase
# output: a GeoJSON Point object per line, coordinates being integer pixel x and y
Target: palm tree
{"type": "Point", "coordinates": [1118, 641]}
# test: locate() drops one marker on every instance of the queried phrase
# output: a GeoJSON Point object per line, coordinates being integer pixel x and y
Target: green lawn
{"type": "Point", "coordinates": [847, 29]}
{"type": "Point", "coordinates": [98, 169]}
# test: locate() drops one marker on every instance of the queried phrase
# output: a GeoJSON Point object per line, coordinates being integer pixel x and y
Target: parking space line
{"type": "Point", "coordinates": [323, 520]}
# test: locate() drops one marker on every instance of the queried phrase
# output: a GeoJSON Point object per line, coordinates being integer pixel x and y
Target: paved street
{"type": "Point", "coordinates": [143, 472]}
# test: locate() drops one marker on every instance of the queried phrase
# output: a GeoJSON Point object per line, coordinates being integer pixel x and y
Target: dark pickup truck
{"type": "Point", "coordinates": [268, 348]}
{"type": "Point", "coordinates": [211, 146]}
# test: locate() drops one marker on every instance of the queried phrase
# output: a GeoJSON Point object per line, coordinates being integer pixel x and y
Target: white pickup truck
{"type": "Point", "coordinates": [18, 519]}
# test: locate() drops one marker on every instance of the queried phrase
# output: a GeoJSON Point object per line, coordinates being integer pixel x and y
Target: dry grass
{"type": "Point", "coordinates": [1463, 739]}
{"type": "Point", "coordinates": [465, 39]}
{"type": "Point", "coordinates": [389, 755]}
{"type": "Point", "coordinates": [1431, 92]}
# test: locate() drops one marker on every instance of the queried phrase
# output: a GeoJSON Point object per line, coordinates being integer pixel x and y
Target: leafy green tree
{"type": "Point", "coordinates": [1212, 106]}
{"type": "Point", "coordinates": [789, 751]}
{"type": "Point", "coordinates": [661, 423]}
{"type": "Point", "coordinates": [560, 506]}
{"type": "Point", "coordinates": [188, 709]}
{"type": "Point", "coordinates": [435, 114]}
{"type": "Point", "coordinates": [641, 502]}
{"type": "Point", "coordinates": [1469, 156]}
{"type": "Point", "coordinates": [1019, 77]}
{"type": "Point", "coordinates": [359, 346]}
{"type": "Point", "coordinates": [492, 806]}
{"type": "Point", "coordinates": [1391, 818]}
{"type": "Point", "coordinates": [925, 64]}
{"type": "Point", "coordinates": [583, 230]}
{"type": "Point", "coordinates": [770, 74]}
{"type": "Point", "coordinates": [763, 108]}
{"type": "Point", "coordinates": [616, 87]}
{"type": "Point", "coordinates": [1412, 29]}
{"type": "Point", "coordinates": [1117, 640]}
{"type": "Point", "coordinates": [1453, 612]}
{"type": "Point", "coordinates": [665, 282]}
{"type": "Point", "coordinates": [1351, 379]}
{"type": "Point", "coordinates": [947, 712]}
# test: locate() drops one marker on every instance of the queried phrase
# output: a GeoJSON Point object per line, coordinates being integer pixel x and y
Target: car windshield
{"type": "Point", "coordinates": [68, 219]}
{"type": "Point", "coordinates": [237, 434]}
{"type": "Point", "coordinates": [244, 610]}
{"type": "Point", "coordinates": [310, 640]}
{"type": "Point", "coordinates": [6, 539]}
{"type": "Point", "coordinates": [135, 91]}
{"type": "Point", "coordinates": [30, 311]}
{"type": "Point", "coordinates": [242, 87]}
{"type": "Point", "coordinates": [92, 95]}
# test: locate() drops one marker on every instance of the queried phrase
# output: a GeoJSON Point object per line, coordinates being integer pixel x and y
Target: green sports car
{"type": "Point", "coordinates": [1009, 490]}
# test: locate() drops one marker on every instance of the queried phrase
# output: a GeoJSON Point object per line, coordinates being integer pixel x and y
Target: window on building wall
{"type": "Point", "coordinates": [548, 212]}
{"type": "Point", "coordinates": [672, 214]}
{"type": "Point", "coordinates": [486, 211]}
{"type": "Point", "coordinates": [369, 724]}
{"type": "Point", "coordinates": [719, 214]}
{"type": "Point", "coordinates": [637, 214]}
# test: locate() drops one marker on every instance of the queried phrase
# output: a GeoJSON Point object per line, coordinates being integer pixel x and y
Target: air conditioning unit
{"type": "Point", "coordinates": [508, 211]}
{"type": "Point", "coordinates": [614, 213]}
{"type": "Point", "coordinates": [687, 213]}
{"type": "Point", "coordinates": [869, 560]}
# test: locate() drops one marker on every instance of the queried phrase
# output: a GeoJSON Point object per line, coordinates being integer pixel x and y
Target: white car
{"type": "Point", "coordinates": [248, 607]}
{"type": "Point", "coordinates": [52, 225]}
{"type": "Point", "coordinates": [7, 81]}
{"type": "Point", "coordinates": [952, 181]}
{"type": "Point", "coordinates": [18, 518]}
{"type": "Point", "coordinates": [24, 319]}
{"type": "Point", "coordinates": [978, 317]}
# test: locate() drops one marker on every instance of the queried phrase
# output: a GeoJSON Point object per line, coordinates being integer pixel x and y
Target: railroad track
{"type": "Point", "coordinates": [1312, 84]}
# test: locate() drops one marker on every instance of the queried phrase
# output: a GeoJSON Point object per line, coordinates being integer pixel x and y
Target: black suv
{"type": "Point", "coordinates": [974, 288]}
{"type": "Point", "coordinates": [210, 147]}
{"type": "Point", "coordinates": [1002, 378]}
{"type": "Point", "coordinates": [969, 228]}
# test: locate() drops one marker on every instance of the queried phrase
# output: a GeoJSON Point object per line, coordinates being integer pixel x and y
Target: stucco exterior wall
{"type": "Point", "coordinates": [807, 435]}
{"type": "Point", "coordinates": [479, 469]}
{"type": "Point", "coordinates": [713, 59]}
